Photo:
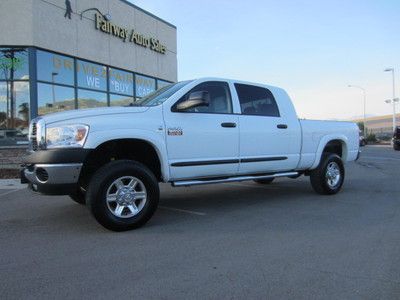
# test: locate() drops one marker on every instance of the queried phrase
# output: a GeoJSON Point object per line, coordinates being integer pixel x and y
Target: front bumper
{"type": "Point", "coordinates": [54, 172]}
{"type": "Point", "coordinates": [56, 179]}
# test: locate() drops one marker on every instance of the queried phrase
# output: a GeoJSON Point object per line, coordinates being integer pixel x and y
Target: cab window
{"type": "Point", "coordinates": [219, 98]}
{"type": "Point", "coordinates": [255, 100]}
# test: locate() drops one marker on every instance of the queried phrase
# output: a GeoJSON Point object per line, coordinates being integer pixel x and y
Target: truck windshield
{"type": "Point", "coordinates": [159, 96]}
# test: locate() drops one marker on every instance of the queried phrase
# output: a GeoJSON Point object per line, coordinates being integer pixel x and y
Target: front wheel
{"type": "Point", "coordinates": [123, 195]}
{"type": "Point", "coordinates": [328, 178]}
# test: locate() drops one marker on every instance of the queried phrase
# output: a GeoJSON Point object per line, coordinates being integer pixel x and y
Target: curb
{"type": "Point", "coordinates": [11, 184]}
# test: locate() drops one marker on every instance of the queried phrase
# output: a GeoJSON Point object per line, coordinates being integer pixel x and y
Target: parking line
{"type": "Point", "coordinates": [9, 192]}
{"type": "Point", "coordinates": [183, 210]}
{"type": "Point", "coordinates": [380, 158]}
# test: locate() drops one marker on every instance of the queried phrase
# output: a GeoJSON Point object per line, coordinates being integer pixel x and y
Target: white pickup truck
{"type": "Point", "coordinates": [189, 133]}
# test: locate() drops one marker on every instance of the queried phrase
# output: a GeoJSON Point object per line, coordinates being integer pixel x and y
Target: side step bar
{"type": "Point", "coordinates": [232, 179]}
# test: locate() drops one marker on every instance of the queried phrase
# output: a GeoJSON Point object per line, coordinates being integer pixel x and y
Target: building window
{"type": "Point", "coordinates": [91, 76]}
{"type": "Point", "coordinates": [55, 68]}
{"type": "Point", "coordinates": [55, 98]}
{"type": "Point", "coordinates": [144, 85]}
{"type": "Point", "coordinates": [121, 82]}
{"type": "Point", "coordinates": [162, 83]}
{"type": "Point", "coordinates": [14, 64]}
{"type": "Point", "coordinates": [14, 97]}
{"type": "Point", "coordinates": [89, 99]}
{"type": "Point", "coordinates": [120, 100]}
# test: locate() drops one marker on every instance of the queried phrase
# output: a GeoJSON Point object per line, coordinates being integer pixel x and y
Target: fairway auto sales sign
{"type": "Point", "coordinates": [128, 35]}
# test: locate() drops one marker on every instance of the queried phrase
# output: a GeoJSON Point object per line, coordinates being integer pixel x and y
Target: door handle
{"type": "Point", "coordinates": [282, 126]}
{"type": "Point", "coordinates": [228, 125]}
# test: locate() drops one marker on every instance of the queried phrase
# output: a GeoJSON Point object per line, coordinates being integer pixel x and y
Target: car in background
{"type": "Point", "coordinates": [396, 139]}
{"type": "Point", "coordinates": [362, 139]}
{"type": "Point", "coordinates": [13, 137]}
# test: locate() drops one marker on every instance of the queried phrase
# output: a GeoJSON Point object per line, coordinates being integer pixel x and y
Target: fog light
{"type": "Point", "coordinates": [42, 175]}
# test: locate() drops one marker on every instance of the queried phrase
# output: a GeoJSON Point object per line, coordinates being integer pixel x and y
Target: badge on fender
{"type": "Point", "coordinates": [175, 131]}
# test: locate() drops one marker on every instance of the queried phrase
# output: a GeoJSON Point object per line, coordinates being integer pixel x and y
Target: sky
{"type": "Point", "coordinates": [313, 49]}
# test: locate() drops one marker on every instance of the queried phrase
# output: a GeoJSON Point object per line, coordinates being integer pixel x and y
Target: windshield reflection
{"type": "Point", "coordinates": [160, 96]}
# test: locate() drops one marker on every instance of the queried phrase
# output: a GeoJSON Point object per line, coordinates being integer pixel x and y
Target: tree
{"type": "Point", "coordinates": [24, 111]}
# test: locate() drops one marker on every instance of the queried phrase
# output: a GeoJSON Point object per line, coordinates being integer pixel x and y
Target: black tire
{"type": "Point", "coordinates": [319, 178]}
{"type": "Point", "coordinates": [102, 181]}
{"type": "Point", "coordinates": [396, 147]}
{"type": "Point", "coordinates": [78, 197]}
{"type": "Point", "coordinates": [264, 181]}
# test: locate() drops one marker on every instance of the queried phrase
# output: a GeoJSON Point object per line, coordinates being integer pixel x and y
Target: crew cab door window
{"type": "Point", "coordinates": [256, 100]}
{"type": "Point", "coordinates": [219, 98]}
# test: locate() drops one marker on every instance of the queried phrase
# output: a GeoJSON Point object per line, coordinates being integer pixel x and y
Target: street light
{"type": "Point", "coordinates": [365, 103]}
{"type": "Point", "coordinates": [393, 101]}
{"type": "Point", "coordinates": [54, 74]}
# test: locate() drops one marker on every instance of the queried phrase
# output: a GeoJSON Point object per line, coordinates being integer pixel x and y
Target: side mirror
{"type": "Point", "coordinates": [196, 99]}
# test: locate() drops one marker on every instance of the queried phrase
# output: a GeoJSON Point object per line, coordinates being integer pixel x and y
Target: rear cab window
{"type": "Point", "coordinates": [256, 101]}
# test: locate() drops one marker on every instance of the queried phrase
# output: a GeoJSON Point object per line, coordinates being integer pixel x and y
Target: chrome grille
{"type": "Point", "coordinates": [33, 139]}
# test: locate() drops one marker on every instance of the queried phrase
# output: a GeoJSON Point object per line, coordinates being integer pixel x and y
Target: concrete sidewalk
{"type": "Point", "coordinates": [11, 184]}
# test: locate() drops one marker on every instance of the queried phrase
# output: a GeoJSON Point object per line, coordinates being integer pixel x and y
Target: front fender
{"type": "Point", "coordinates": [156, 139]}
{"type": "Point", "coordinates": [324, 141]}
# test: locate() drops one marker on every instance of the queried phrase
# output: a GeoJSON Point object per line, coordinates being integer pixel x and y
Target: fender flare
{"type": "Point", "coordinates": [322, 144]}
{"type": "Point", "coordinates": [156, 140]}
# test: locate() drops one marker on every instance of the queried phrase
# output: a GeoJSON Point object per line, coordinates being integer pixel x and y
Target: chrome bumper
{"type": "Point", "coordinates": [53, 174]}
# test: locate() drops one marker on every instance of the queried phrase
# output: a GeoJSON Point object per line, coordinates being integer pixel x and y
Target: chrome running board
{"type": "Point", "coordinates": [232, 179]}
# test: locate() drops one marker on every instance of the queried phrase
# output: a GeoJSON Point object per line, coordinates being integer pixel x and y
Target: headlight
{"type": "Point", "coordinates": [68, 136]}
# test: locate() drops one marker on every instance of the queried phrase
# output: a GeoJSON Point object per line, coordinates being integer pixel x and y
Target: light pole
{"type": "Point", "coordinates": [394, 101]}
{"type": "Point", "coordinates": [54, 74]}
{"type": "Point", "coordinates": [394, 97]}
{"type": "Point", "coordinates": [365, 103]}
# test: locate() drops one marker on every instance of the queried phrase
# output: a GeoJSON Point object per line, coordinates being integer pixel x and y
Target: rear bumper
{"type": "Point", "coordinates": [358, 155]}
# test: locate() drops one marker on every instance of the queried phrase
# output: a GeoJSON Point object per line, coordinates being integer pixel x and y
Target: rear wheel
{"type": "Point", "coordinates": [396, 147]}
{"type": "Point", "coordinates": [264, 181]}
{"type": "Point", "coordinates": [328, 178]}
{"type": "Point", "coordinates": [123, 195]}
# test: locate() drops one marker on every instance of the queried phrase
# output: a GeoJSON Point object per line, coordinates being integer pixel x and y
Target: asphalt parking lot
{"type": "Point", "coordinates": [236, 240]}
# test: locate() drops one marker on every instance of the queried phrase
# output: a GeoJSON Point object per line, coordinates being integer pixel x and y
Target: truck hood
{"type": "Point", "coordinates": [91, 112]}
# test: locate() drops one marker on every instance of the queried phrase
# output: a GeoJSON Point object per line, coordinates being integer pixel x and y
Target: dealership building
{"type": "Point", "coordinates": [58, 55]}
{"type": "Point", "coordinates": [380, 126]}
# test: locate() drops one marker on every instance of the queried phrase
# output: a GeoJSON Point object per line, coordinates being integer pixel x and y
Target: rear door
{"type": "Point", "coordinates": [270, 138]}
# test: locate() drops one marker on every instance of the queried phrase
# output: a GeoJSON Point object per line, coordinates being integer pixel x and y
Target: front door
{"type": "Point", "coordinates": [204, 141]}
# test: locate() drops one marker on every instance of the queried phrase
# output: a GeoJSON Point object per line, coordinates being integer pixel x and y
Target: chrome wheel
{"type": "Point", "coordinates": [333, 174]}
{"type": "Point", "coordinates": [126, 197]}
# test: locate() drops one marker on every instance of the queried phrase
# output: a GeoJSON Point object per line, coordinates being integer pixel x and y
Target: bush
{"type": "Point", "coordinates": [371, 138]}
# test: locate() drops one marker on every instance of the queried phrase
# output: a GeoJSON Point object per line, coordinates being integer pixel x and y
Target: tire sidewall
{"type": "Point", "coordinates": [327, 160]}
{"type": "Point", "coordinates": [98, 191]}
